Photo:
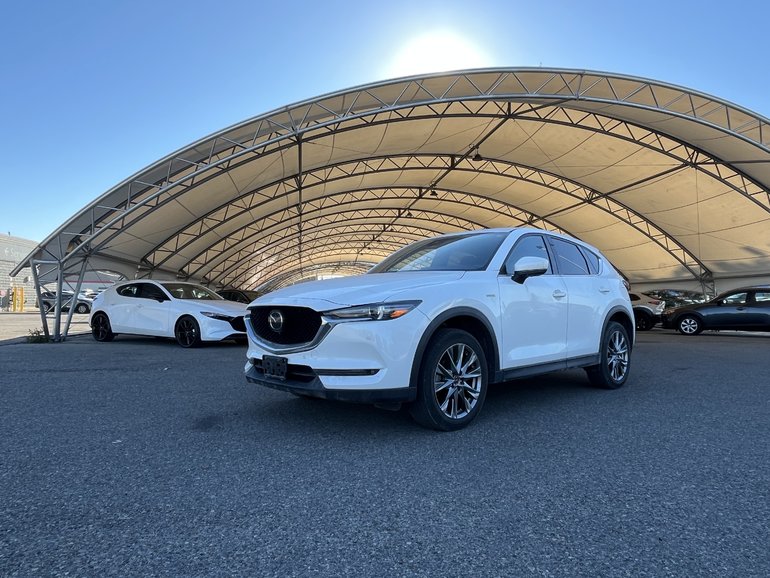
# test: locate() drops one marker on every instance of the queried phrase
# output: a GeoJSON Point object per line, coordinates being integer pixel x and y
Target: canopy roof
{"type": "Point", "coordinates": [671, 184]}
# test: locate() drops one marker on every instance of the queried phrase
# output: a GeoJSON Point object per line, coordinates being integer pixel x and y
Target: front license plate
{"type": "Point", "coordinates": [274, 366]}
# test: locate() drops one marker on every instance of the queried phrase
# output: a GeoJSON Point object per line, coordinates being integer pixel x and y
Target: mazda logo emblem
{"type": "Point", "coordinates": [275, 319]}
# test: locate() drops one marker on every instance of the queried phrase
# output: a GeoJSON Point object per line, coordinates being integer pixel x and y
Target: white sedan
{"type": "Point", "coordinates": [187, 312]}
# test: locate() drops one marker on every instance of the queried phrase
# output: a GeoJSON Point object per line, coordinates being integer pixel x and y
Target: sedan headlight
{"type": "Point", "coordinates": [219, 316]}
{"type": "Point", "coordinates": [373, 312]}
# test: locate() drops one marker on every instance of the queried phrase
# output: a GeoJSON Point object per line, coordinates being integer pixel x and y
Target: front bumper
{"type": "Point", "coordinates": [363, 361]}
{"type": "Point", "coordinates": [302, 380]}
{"type": "Point", "coordinates": [213, 329]}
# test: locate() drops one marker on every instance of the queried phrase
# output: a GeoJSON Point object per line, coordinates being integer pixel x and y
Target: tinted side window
{"type": "Point", "coordinates": [150, 291]}
{"type": "Point", "coordinates": [527, 246]}
{"type": "Point", "coordinates": [736, 299]}
{"type": "Point", "coordinates": [129, 290]}
{"type": "Point", "coordinates": [569, 259]}
{"type": "Point", "coordinates": [592, 259]}
{"type": "Point", "coordinates": [762, 297]}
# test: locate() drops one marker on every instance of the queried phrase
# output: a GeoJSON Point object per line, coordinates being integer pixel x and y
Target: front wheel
{"type": "Point", "coordinates": [615, 358]}
{"type": "Point", "coordinates": [452, 381]}
{"type": "Point", "coordinates": [101, 328]}
{"type": "Point", "coordinates": [82, 308]}
{"type": "Point", "coordinates": [187, 332]}
{"type": "Point", "coordinates": [689, 325]}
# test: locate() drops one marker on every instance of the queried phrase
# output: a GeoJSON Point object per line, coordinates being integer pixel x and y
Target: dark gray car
{"type": "Point", "coordinates": [744, 309]}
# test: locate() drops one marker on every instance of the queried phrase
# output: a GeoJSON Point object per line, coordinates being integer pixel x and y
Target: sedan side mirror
{"type": "Point", "coordinates": [529, 267]}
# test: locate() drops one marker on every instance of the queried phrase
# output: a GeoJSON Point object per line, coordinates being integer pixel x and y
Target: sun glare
{"type": "Point", "coordinates": [437, 51]}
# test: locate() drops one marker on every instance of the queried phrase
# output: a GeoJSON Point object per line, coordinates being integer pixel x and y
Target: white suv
{"type": "Point", "coordinates": [437, 321]}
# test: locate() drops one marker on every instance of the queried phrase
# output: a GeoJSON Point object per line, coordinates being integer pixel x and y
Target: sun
{"type": "Point", "coordinates": [436, 51]}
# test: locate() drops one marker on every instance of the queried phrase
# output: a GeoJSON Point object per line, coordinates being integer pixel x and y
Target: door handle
{"type": "Point", "coordinates": [603, 290]}
{"type": "Point", "coordinates": [559, 294]}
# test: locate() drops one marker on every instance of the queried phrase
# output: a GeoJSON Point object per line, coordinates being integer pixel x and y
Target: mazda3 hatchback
{"type": "Point", "coordinates": [439, 320]}
{"type": "Point", "coordinates": [189, 313]}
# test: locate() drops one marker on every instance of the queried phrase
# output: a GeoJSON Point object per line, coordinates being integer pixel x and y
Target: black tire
{"type": "Point", "coordinates": [452, 381]}
{"type": "Point", "coordinates": [644, 321]}
{"type": "Point", "coordinates": [187, 332]}
{"type": "Point", "coordinates": [689, 325]}
{"type": "Point", "coordinates": [101, 328]}
{"type": "Point", "coordinates": [82, 308]}
{"type": "Point", "coordinates": [615, 354]}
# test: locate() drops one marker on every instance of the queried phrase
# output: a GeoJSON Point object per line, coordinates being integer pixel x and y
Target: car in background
{"type": "Point", "coordinates": [238, 295]}
{"type": "Point", "coordinates": [83, 303]}
{"type": "Point", "coordinates": [189, 313]}
{"type": "Point", "coordinates": [436, 322]}
{"type": "Point", "coordinates": [744, 309]}
{"type": "Point", "coordinates": [677, 297]}
{"type": "Point", "coordinates": [647, 310]}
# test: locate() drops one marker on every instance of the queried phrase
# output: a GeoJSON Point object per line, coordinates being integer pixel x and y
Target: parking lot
{"type": "Point", "coordinates": [138, 457]}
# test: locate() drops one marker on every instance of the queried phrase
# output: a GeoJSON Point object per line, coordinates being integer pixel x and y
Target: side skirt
{"type": "Point", "coordinates": [541, 368]}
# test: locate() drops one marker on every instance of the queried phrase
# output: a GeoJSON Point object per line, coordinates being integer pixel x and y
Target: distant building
{"type": "Point", "coordinates": [12, 252]}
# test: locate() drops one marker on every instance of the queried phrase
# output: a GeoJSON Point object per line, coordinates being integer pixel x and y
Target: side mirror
{"type": "Point", "coordinates": [161, 298]}
{"type": "Point", "coordinates": [529, 267]}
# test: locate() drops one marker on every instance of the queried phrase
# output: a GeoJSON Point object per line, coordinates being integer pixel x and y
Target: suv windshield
{"type": "Point", "coordinates": [188, 291]}
{"type": "Point", "coordinates": [471, 252]}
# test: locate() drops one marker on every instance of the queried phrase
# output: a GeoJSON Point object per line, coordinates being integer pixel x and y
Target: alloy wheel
{"type": "Point", "coordinates": [617, 356]}
{"type": "Point", "coordinates": [689, 326]}
{"type": "Point", "coordinates": [186, 332]}
{"type": "Point", "coordinates": [457, 381]}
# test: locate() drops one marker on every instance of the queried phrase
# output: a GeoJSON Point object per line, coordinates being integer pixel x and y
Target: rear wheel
{"type": "Point", "coordinates": [615, 358]}
{"type": "Point", "coordinates": [689, 325]}
{"type": "Point", "coordinates": [452, 382]}
{"type": "Point", "coordinates": [100, 328]}
{"type": "Point", "coordinates": [187, 332]}
{"type": "Point", "coordinates": [82, 308]}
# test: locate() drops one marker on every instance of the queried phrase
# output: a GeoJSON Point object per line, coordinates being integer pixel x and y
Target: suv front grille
{"type": "Point", "coordinates": [289, 326]}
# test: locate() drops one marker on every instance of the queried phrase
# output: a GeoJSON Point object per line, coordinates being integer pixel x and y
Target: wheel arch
{"type": "Point", "coordinates": [467, 319]}
{"type": "Point", "coordinates": [689, 313]}
{"type": "Point", "coordinates": [620, 315]}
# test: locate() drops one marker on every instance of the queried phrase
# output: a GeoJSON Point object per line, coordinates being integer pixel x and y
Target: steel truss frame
{"type": "Point", "coordinates": [500, 95]}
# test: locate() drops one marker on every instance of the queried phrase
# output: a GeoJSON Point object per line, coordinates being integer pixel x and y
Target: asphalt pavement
{"type": "Point", "coordinates": [139, 458]}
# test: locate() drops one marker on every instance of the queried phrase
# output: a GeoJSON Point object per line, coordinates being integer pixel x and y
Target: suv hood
{"type": "Point", "coordinates": [358, 290]}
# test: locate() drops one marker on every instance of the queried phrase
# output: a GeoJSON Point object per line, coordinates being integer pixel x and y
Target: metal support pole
{"type": "Point", "coordinates": [40, 306]}
{"type": "Point", "coordinates": [74, 302]}
{"type": "Point", "coordinates": [300, 178]}
{"type": "Point", "coordinates": [57, 309]}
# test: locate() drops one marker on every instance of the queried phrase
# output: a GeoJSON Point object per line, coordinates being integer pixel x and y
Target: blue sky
{"type": "Point", "coordinates": [92, 92]}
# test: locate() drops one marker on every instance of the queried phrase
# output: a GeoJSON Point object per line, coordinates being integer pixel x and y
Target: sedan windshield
{"type": "Point", "coordinates": [471, 252]}
{"type": "Point", "coordinates": [188, 291]}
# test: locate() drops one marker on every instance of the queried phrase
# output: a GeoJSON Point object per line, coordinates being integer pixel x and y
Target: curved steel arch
{"type": "Point", "coordinates": [283, 218]}
{"type": "Point", "coordinates": [385, 217]}
{"type": "Point", "coordinates": [294, 275]}
{"type": "Point", "coordinates": [410, 232]}
{"type": "Point", "coordinates": [287, 263]}
{"type": "Point", "coordinates": [639, 222]}
{"type": "Point", "coordinates": [500, 168]}
{"type": "Point", "coordinates": [192, 174]}
{"type": "Point", "coordinates": [686, 155]}
{"type": "Point", "coordinates": [622, 101]}
{"type": "Point", "coordinates": [320, 249]}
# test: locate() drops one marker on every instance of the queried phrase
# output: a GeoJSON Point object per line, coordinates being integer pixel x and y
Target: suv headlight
{"type": "Point", "coordinates": [373, 312]}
